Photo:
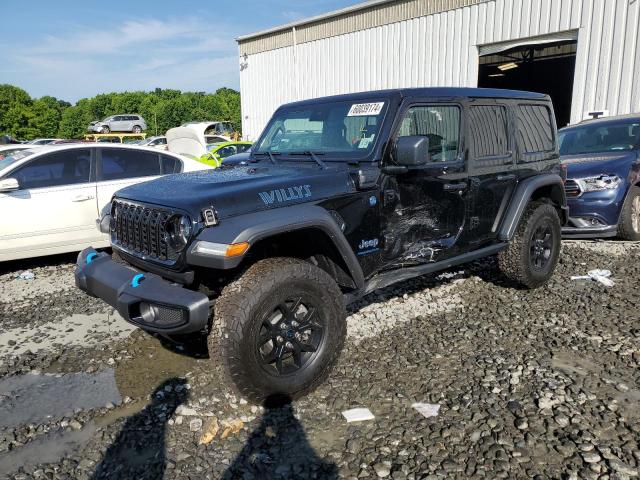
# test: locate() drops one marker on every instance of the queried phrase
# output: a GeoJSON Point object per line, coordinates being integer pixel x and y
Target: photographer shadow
{"type": "Point", "coordinates": [139, 450]}
{"type": "Point", "coordinates": [278, 449]}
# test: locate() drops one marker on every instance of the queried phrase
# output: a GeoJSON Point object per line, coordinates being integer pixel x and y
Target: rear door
{"type": "Point", "coordinates": [54, 209]}
{"type": "Point", "coordinates": [121, 167]}
{"type": "Point", "coordinates": [118, 124]}
{"type": "Point", "coordinates": [492, 167]}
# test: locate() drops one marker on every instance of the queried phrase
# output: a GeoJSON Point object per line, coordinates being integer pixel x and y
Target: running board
{"type": "Point", "coordinates": [385, 279]}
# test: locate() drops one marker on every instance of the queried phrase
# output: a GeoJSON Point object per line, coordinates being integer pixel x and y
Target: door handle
{"type": "Point", "coordinates": [82, 198]}
{"type": "Point", "coordinates": [455, 186]}
{"type": "Point", "coordinates": [504, 178]}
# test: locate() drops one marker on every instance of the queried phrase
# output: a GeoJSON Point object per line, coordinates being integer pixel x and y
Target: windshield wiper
{"type": "Point", "coordinates": [314, 157]}
{"type": "Point", "coordinates": [271, 156]}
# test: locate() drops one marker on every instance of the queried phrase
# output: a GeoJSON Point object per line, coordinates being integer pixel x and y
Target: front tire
{"type": "Point", "coordinates": [629, 227]}
{"type": "Point", "coordinates": [279, 329]}
{"type": "Point", "coordinates": [532, 255]}
{"type": "Point", "coordinates": [105, 129]}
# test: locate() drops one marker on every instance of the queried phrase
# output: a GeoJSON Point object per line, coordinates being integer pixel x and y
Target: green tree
{"type": "Point", "coordinates": [27, 118]}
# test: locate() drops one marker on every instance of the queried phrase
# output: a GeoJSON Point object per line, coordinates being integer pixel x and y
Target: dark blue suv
{"type": "Point", "coordinates": [602, 158]}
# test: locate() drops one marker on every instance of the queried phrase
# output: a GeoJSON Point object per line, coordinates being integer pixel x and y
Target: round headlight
{"type": "Point", "coordinates": [179, 230]}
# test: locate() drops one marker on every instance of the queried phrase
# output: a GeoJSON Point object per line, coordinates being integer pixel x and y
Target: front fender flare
{"type": "Point", "coordinates": [257, 226]}
{"type": "Point", "coordinates": [521, 198]}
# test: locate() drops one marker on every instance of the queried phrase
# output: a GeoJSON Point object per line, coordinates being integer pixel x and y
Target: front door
{"type": "Point", "coordinates": [424, 208]}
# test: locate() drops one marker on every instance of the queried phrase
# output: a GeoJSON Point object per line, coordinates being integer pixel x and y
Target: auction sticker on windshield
{"type": "Point", "coordinates": [362, 109]}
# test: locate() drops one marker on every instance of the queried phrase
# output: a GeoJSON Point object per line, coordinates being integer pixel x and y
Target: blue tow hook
{"type": "Point", "coordinates": [91, 256]}
{"type": "Point", "coordinates": [135, 281]}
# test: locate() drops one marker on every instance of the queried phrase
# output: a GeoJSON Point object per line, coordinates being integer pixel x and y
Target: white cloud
{"type": "Point", "coordinates": [135, 55]}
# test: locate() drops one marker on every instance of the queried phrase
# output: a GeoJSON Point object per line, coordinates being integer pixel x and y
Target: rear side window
{"type": "Point", "coordinates": [489, 131]}
{"type": "Point", "coordinates": [123, 163]}
{"type": "Point", "coordinates": [68, 167]}
{"type": "Point", "coordinates": [535, 130]}
{"type": "Point", "coordinates": [170, 164]}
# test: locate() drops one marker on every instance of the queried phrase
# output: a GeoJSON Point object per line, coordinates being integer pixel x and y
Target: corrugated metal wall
{"type": "Point", "coordinates": [442, 50]}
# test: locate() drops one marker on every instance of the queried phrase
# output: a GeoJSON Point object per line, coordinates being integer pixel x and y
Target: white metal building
{"type": "Point", "coordinates": [584, 53]}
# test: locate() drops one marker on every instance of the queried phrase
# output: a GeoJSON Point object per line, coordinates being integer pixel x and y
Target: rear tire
{"type": "Point", "coordinates": [629, 226]}
{"type": "Point", "coordinates": [279, 329]}
{"type": "Point", "coordinates": [532, 255]}
{"type": "Point", "coordinates": [137, 129]}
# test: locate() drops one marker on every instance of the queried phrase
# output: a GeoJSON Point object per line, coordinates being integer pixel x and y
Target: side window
{"type": "Point", "coordinates": [243, 148]}
{"type": "Point", "coordinates": [122, 163]}
{"type": "Point", "coordinates": [225, 152]}
{"type": "Point", "coordinates": [170, 164]}
{"type": "Point", "coordinates": [68, 167]}
{"type": "Point", "coordinates": [489, 131]}
{"type": "Point", "coordinates": [440, 123]}
{"type": "Point", "coordinates": [535, 130]}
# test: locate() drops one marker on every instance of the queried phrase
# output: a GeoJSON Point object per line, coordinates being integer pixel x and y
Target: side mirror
{"type": "Point", "coordinates": [9, 185]}
{"type": "Point", "coordinates": [412, 151]}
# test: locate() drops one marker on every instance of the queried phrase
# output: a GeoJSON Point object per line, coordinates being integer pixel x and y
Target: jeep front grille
{"type": "Point", "coordinates": [141, 230]}
{"type": "Point", "coordinates": [572, 189]}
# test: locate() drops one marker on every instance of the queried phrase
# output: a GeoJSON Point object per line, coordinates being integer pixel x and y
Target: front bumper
{"type": "Point", "coordinates": [143, 299]}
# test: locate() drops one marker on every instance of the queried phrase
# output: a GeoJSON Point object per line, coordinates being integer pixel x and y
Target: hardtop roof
{"type": "Point", "coordinates": [444, 92]}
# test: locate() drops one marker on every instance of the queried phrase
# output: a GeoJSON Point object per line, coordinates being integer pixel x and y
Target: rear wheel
{"type": "Point", "coordinates": [278, 329]}
{"type": "Point", "coordinates": [629, 226]}
{"type": "Point", "coordinates": [137, 129]}
{"type": "Point", "coordinates": [532, 255]}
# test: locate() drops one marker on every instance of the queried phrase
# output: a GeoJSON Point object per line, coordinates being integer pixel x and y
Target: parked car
{"type": "Point", "coordinates": [344, 195]}
{"type": "Point", "coordinates": [52, 196]}
{"type": "Point", "coordinates": [42, 141]}
{"type": "Point", "coordinates": [119, 123]}
{"type": "Point", "coordinates": [6, 150]}
{"type": "Point", "coordinates": [602, 158]}
{"type": "Point", "coordinates": [159, 142]}
{"type": "Point", "coordinates": [220, 151]}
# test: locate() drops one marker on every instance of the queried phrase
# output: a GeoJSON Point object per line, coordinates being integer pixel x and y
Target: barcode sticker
{"type": "Point", "coordinates": [362, 109]}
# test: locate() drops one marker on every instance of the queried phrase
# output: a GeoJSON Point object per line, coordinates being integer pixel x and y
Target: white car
{"type": "Point", "coordinates": [52, 197]}
{"type": "Point", "coordinates": [42, 141]}
{"type": "Point", "coordinates": [6, 150]}
{"type": "Point", "coordinates": [155, 142]}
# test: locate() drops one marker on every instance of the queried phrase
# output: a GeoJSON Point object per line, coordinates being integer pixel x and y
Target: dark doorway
{"type": "Point", "coordinates": [547, 68]}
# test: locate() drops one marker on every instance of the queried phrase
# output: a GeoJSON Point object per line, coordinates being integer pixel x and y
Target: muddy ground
{"type": "Point", "coordinates": [531, 384]}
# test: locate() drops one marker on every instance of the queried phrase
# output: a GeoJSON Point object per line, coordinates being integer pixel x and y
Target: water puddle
{"type": "Point", "coordinates": [79, 329]}
{"type": "Point", "coordinates": [40, 398]}
{"type": "Point", "coordinates": [47, 449]}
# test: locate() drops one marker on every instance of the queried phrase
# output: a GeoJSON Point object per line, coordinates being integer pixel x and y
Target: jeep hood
{"type": "Point", "coordinates": [242, 189]}
{"type": "Point", "coordinates": [581, 166]}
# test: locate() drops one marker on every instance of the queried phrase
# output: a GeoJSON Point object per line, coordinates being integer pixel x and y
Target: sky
{"type": "Point", "coordinates": [77, 49]}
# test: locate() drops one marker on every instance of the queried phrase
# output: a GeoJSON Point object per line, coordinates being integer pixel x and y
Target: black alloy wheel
{"type": "Point", "coordinates": [290, 336]}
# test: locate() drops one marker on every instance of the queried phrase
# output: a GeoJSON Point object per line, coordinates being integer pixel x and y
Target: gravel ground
{"type": "Point", "coordinates": [531, 384]}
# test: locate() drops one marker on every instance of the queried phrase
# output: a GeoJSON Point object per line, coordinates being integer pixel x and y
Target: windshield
{"type": "Point", "coordinates": [8, 157]}
{"type": "Point", "coordinates": [336, 129]}
{"type": "Point", "coordinates": [601, 138]}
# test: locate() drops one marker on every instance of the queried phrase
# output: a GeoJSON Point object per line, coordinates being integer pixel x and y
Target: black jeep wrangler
{"type": "Point", "coordinates": [339, 197]}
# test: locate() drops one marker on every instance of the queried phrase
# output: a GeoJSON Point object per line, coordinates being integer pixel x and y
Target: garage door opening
{"type": "Point", "coordinates": [546, 68]}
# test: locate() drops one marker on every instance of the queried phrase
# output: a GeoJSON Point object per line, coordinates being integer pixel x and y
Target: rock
{"type": "Point", "coordinates": [591, 457]}
{"type": "Point", "coordinates": [561, 420]}
{"type": "Point", "coordinates": [75, 424]}
{"type": "Point", "coordinates": [521, 423]}
{"type": "Point", "coordinates": [382, 470]}
{"type": "Point", "coordinates": [195, 425]}
{"type": "Point", "coordinates": [623, 469]}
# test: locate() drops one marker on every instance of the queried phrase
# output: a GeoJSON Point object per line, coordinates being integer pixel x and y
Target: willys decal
{"type": "Point", "coordinates": [281, 195]}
